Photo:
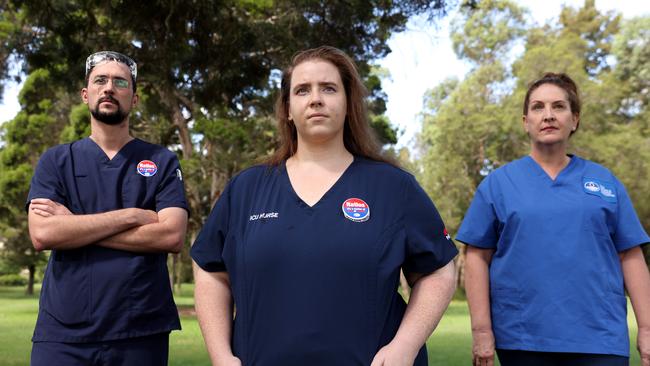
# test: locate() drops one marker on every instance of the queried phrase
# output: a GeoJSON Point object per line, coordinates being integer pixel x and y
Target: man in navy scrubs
{"type": "Point", "coordinates": [109, 207]}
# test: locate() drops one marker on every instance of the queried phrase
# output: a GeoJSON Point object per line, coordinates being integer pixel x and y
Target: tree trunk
{"type": "Point", "coordinates": [178, 270]}
{"type": "Point", "coordinates": [30, 282]}
{"type": "Point", "coordinates": [460, 268]}
{"type": "Point", "coordinates": [173, 275]}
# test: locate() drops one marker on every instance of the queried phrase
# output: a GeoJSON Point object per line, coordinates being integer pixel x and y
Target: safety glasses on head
{"type": "Point", "coordinates": [102, 56]}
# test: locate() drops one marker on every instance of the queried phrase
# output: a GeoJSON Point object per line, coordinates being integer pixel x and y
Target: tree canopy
{"type": "Point", "coordinates": [473, 126]}
{"type": "Point", "coordinates": [207, 74]}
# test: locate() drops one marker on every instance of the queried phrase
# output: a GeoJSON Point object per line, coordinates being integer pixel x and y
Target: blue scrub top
{"type": "Point", "coordinates": [312, 286]}
{"type": "Point", "coordinates": [94, 293]}
{"type": "Point", "coordinates": [556, 283]}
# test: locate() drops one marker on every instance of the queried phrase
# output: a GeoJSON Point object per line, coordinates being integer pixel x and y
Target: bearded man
{"type": "Point", "coordinates": [109, 207]}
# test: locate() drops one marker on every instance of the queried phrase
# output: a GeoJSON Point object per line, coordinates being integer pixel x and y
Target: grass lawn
{"type": "Point", "coordinates": [450, 344]}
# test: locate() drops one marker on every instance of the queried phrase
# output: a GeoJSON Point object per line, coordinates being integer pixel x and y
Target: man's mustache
{"type": "Point", "coordinates": [108, 98]}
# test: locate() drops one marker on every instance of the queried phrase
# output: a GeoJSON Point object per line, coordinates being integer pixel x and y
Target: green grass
{"type": "Point", "coordinates": [18, 316]}
{"type": "Point", "coordinates": [449, 345]}
{"type": "Point", "coordinates": [17, 319]}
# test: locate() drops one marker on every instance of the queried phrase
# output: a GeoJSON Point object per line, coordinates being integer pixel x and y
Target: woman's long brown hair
{"type": "Point", "coordinates": [358, 137]}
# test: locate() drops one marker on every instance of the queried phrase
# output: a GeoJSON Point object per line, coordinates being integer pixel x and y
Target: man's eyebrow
{"type": "Point", "coordinates": [105, 76]}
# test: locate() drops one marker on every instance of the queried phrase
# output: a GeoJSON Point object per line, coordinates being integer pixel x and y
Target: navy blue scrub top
{"type": "Point", "coordinates": [556, 283]}
{"type": "Point", "coordinates": [93, 293]}
{"type": "Point", "coordinates": [312, 286]}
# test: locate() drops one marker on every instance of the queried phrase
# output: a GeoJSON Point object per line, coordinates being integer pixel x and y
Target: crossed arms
{"type": "Point", "coordinates": [53, 226]}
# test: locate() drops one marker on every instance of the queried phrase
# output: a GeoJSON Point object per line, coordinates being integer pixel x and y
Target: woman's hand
{"type": "Point", "coordinates": [393, 355]}
{"type": "Point", "coordinates": [228, 361]}
{"type": "Point", "coordinates": [483, 348]}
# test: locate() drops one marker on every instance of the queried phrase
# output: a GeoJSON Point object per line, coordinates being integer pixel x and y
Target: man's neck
{"type": "Point", "coordinates": [110, 138]}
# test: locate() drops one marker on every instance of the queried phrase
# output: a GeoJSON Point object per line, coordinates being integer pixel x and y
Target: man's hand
{"type": "Point", "coordinates": [51, 225]}
{"type": "Point", "coordinates": [146, 217]}
{"type": "Point", "coordinates": [46, 207]}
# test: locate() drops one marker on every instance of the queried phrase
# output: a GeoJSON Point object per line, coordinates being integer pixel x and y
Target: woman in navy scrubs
{"type": "Point", "coordinates": [309, 246]}
{"type": "Point", "coordinates": [553, 242]}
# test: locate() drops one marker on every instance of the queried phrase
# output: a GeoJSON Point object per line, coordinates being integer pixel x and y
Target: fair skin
{"type": "Point", "coordinates": [53, 226]}
{"type": "Point", "coordinates": [549, 123]}
{"type": "Point", "coordinates": [318, 109]}
{"type": "Point", "coordinates": [477, 288]}
{"type": "Point", "coordinates": [637, 283]}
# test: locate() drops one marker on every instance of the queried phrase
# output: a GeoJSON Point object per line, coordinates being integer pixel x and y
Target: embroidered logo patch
{"type": "Point", "coordinates": [179, 175]}
{"type": "Point", "coordinates": [147, 168]}
{"type": "Point", "coordinates": [599, 188]}
{"type": "Point", "coordinates": [356, 210]}
{"type": "Point", "coordinates": [446, 234]}
{"type": "Point", "coordinates": [263, 215]}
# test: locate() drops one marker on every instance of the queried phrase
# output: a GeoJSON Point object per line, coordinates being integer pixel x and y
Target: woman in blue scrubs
{"type": "Point", "coordinates": [553, 243]}
{"type": "Point", "coordinates": [309, 246]}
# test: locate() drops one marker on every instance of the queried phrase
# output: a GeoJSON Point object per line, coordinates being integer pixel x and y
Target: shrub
{"type": "Point", "coordinates": [12, 280]}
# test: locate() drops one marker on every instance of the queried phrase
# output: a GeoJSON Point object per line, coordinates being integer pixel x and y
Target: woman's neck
{"type": "Point", "coordinates": [330, 153]}
{"type": "Point", "coordinates": [552, 158]}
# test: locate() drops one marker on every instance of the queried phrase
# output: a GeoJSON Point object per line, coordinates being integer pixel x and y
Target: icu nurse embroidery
{"type": "Point", "coordinates": [356, 210]}
{"type": "Point", "coordinates": [147, 168]}
{"type": "Point", "coordinates": [596, 187]}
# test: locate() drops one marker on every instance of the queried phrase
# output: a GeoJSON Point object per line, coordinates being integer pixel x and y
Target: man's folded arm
{"type": "Point", "coordinates": [52, 226]}
{"type": "Point", "coordinates": [166, 235]}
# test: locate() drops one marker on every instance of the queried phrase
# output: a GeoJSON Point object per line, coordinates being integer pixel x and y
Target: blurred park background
{"type": "Point", "coordinates": [209, 72]}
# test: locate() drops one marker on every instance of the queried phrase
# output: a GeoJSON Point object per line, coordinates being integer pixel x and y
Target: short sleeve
{"type": "Point", "coordinates": [479, 226]}
{"type": "Point", "coordinates": [171, 190]}
{"type": "Point", "coordinates": [46, 182]}
{"type": "Point", "coordinates": [629, 232]}
{"type": "Point", "coordinates": [207, 250]}
{"type": "Point", "coordinates": [428, 245]}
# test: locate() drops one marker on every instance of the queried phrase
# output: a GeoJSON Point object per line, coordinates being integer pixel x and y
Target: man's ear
{"type": "Point", "coordinates": [84, 95]}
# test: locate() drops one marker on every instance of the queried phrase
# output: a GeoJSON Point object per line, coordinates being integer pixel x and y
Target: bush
{"type": "Point", "coordinates": [12, 280]}
{"type": "Point", "coordinates": [7, 267]}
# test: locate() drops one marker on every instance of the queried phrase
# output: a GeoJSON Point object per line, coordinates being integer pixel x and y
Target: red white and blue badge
{"type": "Point", "coordinates": [356, 210]}
{"type": "Point", "coordinates": [147, 168]}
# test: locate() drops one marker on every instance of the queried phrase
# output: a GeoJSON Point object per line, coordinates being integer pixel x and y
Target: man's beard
{"type": "Point", "coordinates": [109, 118]}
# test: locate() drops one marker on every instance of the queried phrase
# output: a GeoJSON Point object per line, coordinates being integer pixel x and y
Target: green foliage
{"type": "Point", "coordinates": [79, 125]}
{"type": "Point", "coordinates": [473, 126]}
{"type": "Point", "coordinates": [486, 32]}
{"type": "Point", "coordinates": [632, 50]}
{"type": "Point", "coordinates": [10, 34]}
{"type": "Point", "coordinates": [8, 267]}
{"type": "Point", "coordinates": [465, 134]}
{"type": "Point", "coordinates": [12, 280]}
{"type": "Point", "coordinates": [596, 30]}
{"type": "Point", "coordinates": [26, 137]}
{"type": "Point", "coordinates": [207, 74]}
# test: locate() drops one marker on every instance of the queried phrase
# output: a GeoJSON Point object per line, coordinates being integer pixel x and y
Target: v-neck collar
{"type": "Point", "coordinates": [542, 173]}
{"type": "Point", "coordinates": [327, 193]}
{"type": "Point", "coordinates": [101, 155]}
